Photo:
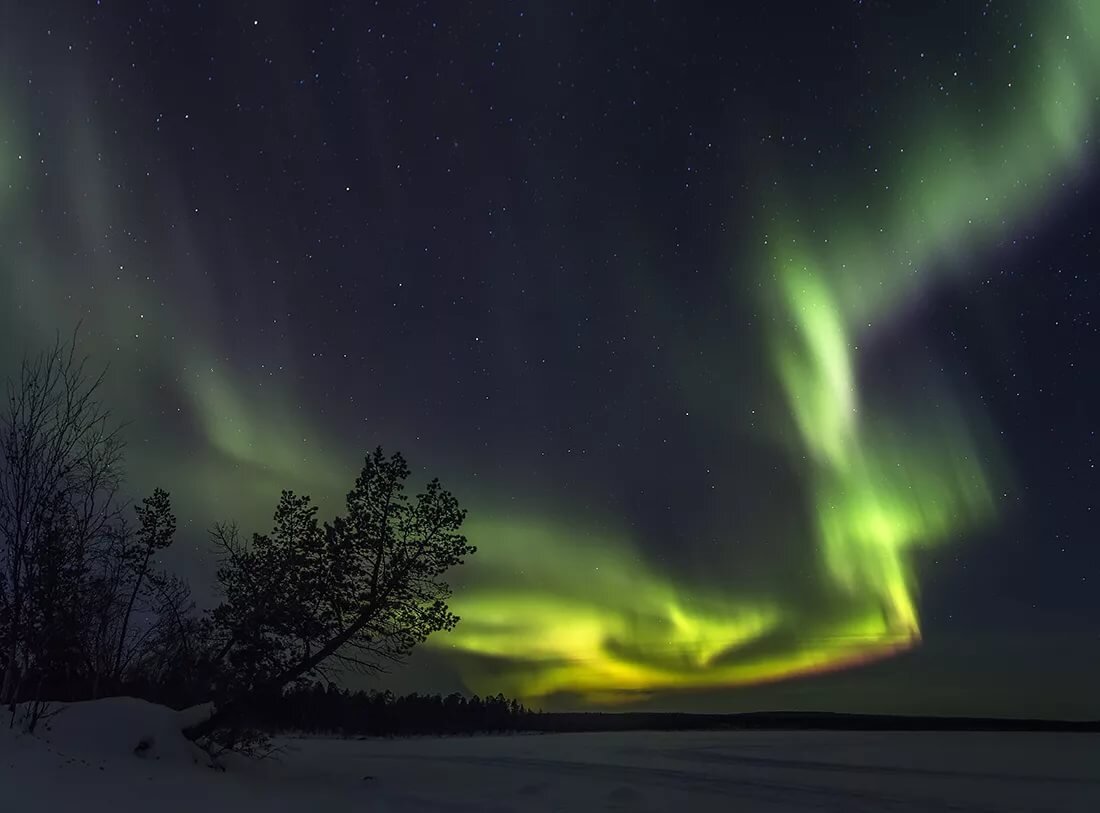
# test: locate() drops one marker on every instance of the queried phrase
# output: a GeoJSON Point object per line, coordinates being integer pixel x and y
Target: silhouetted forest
{"type": "Point", "coordinates": [87, 608]}
{"type": "Point", "coordinates": [320, 709]}
{"type": "Point", "coordinates": [790, 721]}
{"type": "Point", "coordinates": [330, 710]}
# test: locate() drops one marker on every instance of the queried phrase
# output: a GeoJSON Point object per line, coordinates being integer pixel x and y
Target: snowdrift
{"type": "Point", "coordinates": [122, 727]}
{"type": "Point", "coordinates": [102, 755]}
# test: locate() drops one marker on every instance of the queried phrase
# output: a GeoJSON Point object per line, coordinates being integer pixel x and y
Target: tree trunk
{"type": "Point", "coordinates": [7, 691]}
{"type": "Point", "coordinates": [11, 669]}
{"type": "Point", "coordinates": [117, 676]}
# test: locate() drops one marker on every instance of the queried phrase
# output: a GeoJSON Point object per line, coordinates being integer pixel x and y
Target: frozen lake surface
{"type": "Point", "coordinates": [724, 771]}
{"type": "Point", "coordinates": [85, 761]}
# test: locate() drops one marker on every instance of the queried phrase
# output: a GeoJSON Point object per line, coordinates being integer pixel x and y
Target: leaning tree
{"type": "Point", "coordinates": [359, 592]}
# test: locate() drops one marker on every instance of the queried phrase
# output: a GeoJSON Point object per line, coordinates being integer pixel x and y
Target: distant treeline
{"type": "Point", "coordinates": [792, 721]}
{"type": "Point", "coordinates": [320, 709]}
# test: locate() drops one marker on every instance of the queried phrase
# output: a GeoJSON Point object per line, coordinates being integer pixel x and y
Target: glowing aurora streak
{"type": "Point", "coordinates": [575, 611]}
{"type": "Point", "coordinates": [584, 615]}
{"type": "Point", "coordinates": [548, 606]}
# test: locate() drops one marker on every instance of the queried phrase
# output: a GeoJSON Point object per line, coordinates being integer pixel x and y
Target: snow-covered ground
{"type": "Point", "coordinates": [86, 762]}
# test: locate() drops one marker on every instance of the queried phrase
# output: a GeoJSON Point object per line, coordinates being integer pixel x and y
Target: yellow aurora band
{"type": "Point", "coordinates": [555, 608]}
{"type": "Point", "coordinates": [576, 611]}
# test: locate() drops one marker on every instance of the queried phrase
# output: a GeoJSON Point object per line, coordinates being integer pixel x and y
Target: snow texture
{"type": "Point", "coordinates": [89, 760]}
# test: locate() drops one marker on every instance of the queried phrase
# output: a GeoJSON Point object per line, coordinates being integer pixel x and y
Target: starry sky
{"type": "Point", "coordinates": [760, 342]}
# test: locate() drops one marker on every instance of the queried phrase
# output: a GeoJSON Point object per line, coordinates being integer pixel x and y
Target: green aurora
{"type": "Point", "coordinates": [556, 607]}
{"type": "Point", "coordinates": [882, 482]}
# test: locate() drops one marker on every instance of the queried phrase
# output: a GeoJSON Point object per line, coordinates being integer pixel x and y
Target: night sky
{"type": "Point", "coordinates": [759, 339]}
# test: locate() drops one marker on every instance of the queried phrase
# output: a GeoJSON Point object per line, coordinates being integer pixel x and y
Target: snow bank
{"type": "Point", "coordinates": [121, 727]}
{"type": "Point", "coordinates": [103, 755]}
{"type": "Point", "coordinates": [120, 754]}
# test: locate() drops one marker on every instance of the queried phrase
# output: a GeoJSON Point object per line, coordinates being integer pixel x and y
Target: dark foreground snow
{"type": "Point", "coordinates": [86, 763]}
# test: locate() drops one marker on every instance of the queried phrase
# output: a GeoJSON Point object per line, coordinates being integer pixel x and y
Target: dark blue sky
{"type": "Point", "coordinates": [519, 242]}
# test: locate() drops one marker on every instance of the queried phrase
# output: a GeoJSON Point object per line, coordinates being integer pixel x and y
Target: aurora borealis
{"type": "Point", "coordinates": [714, 321]}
